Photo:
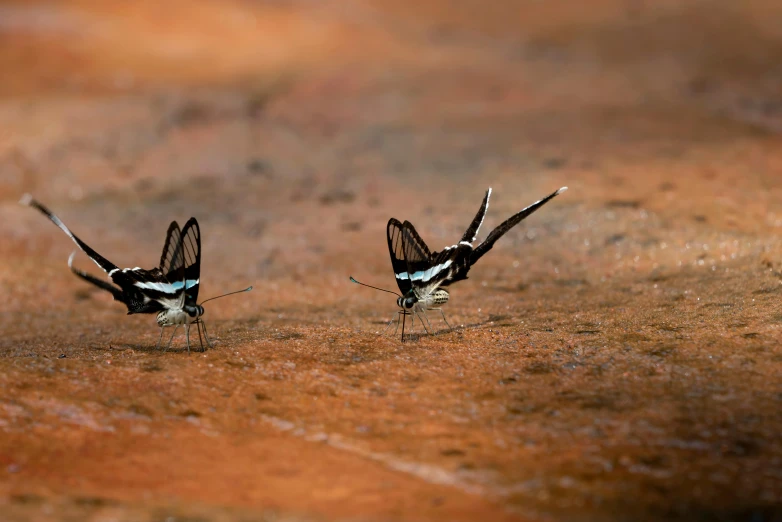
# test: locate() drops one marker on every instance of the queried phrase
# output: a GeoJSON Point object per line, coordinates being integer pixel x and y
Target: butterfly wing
{"type": "Point", "coordinates": [472, 231]}
{"type": "Point", "coordinates": [461, 262]}
{"type": "Point", "coordinates": [177, 281]}
{"type": "Point", "coordinates": [418, 258]}
{"type": "Point", "coordinates": [459, 257]}
{"type": "Point", "coordinates": [415, 267]}
{"type": "Point", "coordinates": [171, 260]}
{"type": "Point", "coordinates": [410, 258]}
{"type": "Point", "coordinates": [98, 259]}
{"type": "Point", "coordinates": [508, 224]}
{"type": "Point", "coordinates": [100, 283]}
{"type": "Point", "coordinates": [126, 294]}
{"type": "Point", "coordinates": [191, 251]}
{"type": "Point", "coordinates": [396, 249]}
{"type": "Point", "coordinates": [160, 288]}
{"type": "Point", "coordinates": [427, 271]}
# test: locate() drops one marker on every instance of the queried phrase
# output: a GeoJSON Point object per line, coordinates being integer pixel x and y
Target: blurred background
{"type": "Point", "coordinates": [273, 116]}
{"type": "Point", "coordinates": [620, 351]}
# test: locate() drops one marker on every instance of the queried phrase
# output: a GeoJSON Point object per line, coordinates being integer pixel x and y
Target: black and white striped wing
{"type": "Point", "coordinates": [416, 268]}
{"type": "Point", "coordinates": [425, 270]}
{"type": "Point", "coordinates": [191, 251]}
{"type": "Point", "coordinates": [180, 261]}
{"type": "Point", "coordinates": [172, 260]}
{"type": "Point", "coordinates": [176, 281]}
{"type": "Point", "coordinates": [394, 234]}
{"type": "Point", "coordinates": [162, 287]}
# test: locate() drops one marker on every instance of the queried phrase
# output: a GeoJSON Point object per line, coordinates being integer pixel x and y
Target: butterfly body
{"type": "Point", "coordinates": [189, 314]}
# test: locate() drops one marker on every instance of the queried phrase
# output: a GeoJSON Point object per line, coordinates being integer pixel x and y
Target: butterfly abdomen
{"type": "Point", "coordinates": [441, 297]}
{"type": "Point", "coordinates": [437, 298]}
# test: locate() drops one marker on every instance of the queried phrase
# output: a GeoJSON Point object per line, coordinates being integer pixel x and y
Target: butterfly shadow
{"type": "Point", "coordinates": [407, 317]}
{"type": "Point", "coordinates": [173, 345]}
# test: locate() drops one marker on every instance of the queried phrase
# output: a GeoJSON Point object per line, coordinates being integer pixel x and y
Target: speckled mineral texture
{"type": "Point", "coordinates": [615, 357]}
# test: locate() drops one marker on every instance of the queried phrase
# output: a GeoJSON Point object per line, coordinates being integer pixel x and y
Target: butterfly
{"type": "Point", "coordinates": [423, 276]}
{"type": "Point", "coordinates": [169, 290]}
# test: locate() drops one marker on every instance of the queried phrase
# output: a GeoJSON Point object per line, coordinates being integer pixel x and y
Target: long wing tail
{"type": "Point", "coordinates": [508, 224]}
{"type": "Point", "coordinates": [98, 259]}
{"type": "Point", "coordinates": [472, 231]}
{"type": "Point", "coordinates": [116, 292]}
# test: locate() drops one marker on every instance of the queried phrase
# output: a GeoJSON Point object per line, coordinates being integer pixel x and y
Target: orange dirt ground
{"type": "Point", "coordinates": [616, 357]}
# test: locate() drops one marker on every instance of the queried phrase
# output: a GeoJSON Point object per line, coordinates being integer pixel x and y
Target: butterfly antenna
{"type": "Point", "coordinates": [352, 280]}
{"type": "Point", "coordinates": [229, 293]}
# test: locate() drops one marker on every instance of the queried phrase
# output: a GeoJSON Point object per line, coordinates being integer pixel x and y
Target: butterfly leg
{"type": "Point", "coordinates": [206, 334]}
{"type": "Point", "coordinates": [200, 341]}
{"type": "Point", "coordinates": [187, 334]}
{"type": "Point", "coordinates": [396, 317]}
{"type": "Point", "coordinates": [423, 314]}
{"type": "Point", "coordinates": [162, 328]}
{"type": "Point", "coordinates": [413, 314]}
{"type": "Point", "coordinates": [444, 320]}
{"type": "Point", "coordinates": [389, 325]}
{"type": "Point", "coordinates": [172, 338]}
{"type": "Point", "coordinates": [443, 314]}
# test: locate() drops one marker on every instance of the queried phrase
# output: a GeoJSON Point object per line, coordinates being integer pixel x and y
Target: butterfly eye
{"type": "Point", "coordinates": [409, 302]}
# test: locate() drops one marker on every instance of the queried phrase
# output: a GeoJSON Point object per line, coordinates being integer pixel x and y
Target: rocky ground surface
{"type": "Point", "coordinates": [615, 357]}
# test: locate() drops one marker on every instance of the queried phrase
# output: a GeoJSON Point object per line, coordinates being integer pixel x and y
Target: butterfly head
{"type": "Point", "coordinates": [407, 302]}
{"type": "Point", "coordinates": [194, 311]}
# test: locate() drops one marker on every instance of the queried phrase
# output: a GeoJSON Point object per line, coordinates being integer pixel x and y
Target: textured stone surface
{"type": "Point", "coordinates": [616, 355]}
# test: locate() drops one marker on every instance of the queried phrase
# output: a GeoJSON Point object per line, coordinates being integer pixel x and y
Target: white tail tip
{"type": "Point", "coordinates": [26, 199]}
{"type": "Point", "coordinates": [70, 259]}
{"type": "Point", "coordinates": [563, 189]}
